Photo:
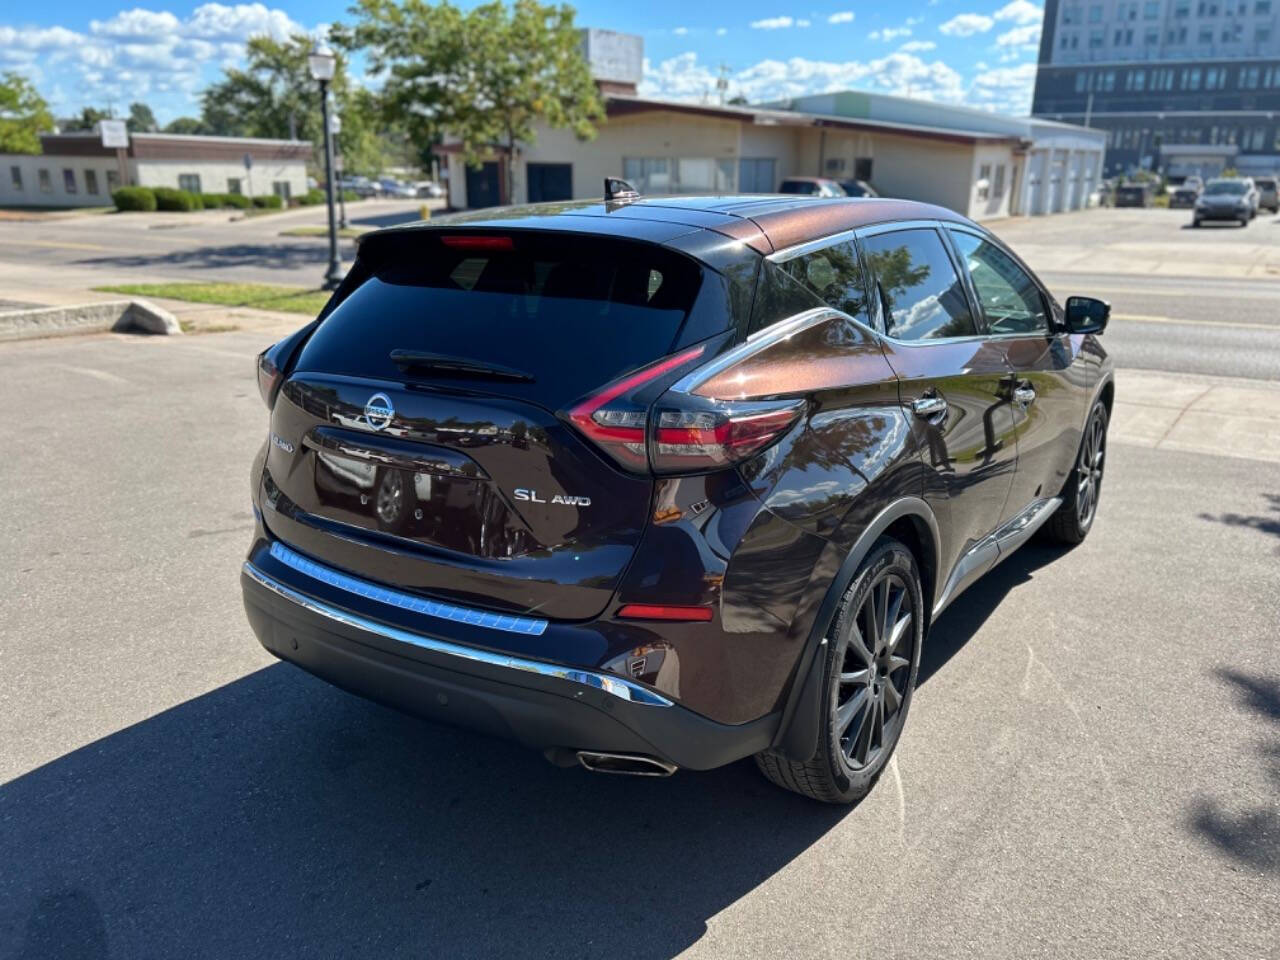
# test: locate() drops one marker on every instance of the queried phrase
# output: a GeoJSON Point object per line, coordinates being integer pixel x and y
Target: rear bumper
{"type": "Point", "coordinates": [1231, 215]}
{"type": "Point", "coordinates": [538, 703]}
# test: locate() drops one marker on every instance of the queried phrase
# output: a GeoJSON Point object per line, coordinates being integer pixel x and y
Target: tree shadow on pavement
{"type": "Point", "coordinates": [1266, 524]}
{"type": "Point", "coordinates": [1250, 836]}
{"type": "Point", "coordinates": [281, 255]}
{"type": "Point", "coordinates": [277, 816]}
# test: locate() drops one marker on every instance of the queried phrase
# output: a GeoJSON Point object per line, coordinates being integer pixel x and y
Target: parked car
{"type": "Point", "coordinates": [390, 187]}
{"type": "Point", "coordinates": [1134, 195]}
{"type": "Point", "coordinates": [1227, 198]}
{"type": "Point", "coordinates": [858, 188]}
{"type": "Point", "coordinates": [362, 187]}
{"type": "Point", "coordinates": [429, 188]}
{"type": "Point", "coordinates": [1187, 194]}
{"type": "Point", "coordinates": [663, 501]}
{"type": "Point", "coordinates": [811, 187]}
{"type": "Point", "coordinates": [1268, 197]}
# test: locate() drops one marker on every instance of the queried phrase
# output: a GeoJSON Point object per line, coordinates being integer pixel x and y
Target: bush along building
{"type": "Point", "coordinates": [76, 170]}
{"type": "Point", "coordinates": [1180, 86]}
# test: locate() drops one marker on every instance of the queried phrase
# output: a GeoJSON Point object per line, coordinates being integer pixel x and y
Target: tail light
{"type": "Point", "coordinates": [681, 432]}
{"type": "Point", "coordinates": [269, 377]}
{"type": "Point", "coordinates": [617, 421]}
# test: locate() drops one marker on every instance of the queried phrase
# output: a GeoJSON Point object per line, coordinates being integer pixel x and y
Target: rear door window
{"type": "Point", "coordinates": [572, 312]}
{"type": "Point", "coordinates": [830, 277]}
{"type": "Point", "coordinates": [920, 291]}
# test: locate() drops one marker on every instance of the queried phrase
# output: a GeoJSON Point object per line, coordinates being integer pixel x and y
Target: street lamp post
{"type": "Point", "coordinates": [322, 62]}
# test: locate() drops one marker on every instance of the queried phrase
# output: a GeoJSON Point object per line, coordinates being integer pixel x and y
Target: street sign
{"type": "Point", "coordinates": [115, 135]}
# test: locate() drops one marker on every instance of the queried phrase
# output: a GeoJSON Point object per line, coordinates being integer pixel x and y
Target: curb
{"type": "Point", "coordinates": [120, 316]}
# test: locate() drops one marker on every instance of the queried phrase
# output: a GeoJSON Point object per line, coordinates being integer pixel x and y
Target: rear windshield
{"type": "Point", "coordinates": [798, 186]}
{"type": "Point", "coordinates": [1265, 183]}
{"type": "Point", "coordinates": [572, 312]}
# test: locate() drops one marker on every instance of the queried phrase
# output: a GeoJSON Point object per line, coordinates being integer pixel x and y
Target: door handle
{"type": "Point", "coordinates": [928, 407]}
{"type": "Point", "coordinates": [1024, 394]}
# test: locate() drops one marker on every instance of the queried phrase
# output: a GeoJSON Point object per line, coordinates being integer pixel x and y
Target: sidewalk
{"type": "Point", "coordinates": [1198, 414]}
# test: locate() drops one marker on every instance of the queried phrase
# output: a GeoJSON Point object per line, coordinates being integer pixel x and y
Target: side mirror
{"type": "Point", "coordinates": [1087, 315]}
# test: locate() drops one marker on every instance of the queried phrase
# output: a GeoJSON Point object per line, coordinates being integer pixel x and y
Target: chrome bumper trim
{"type": "Point", "coordinates": [615, 686]}
{"type": "Point", "coordinates": [531, 626]}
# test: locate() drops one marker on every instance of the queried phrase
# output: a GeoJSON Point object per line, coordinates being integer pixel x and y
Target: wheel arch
{"type": "Point", "coordinates": [909, 520]}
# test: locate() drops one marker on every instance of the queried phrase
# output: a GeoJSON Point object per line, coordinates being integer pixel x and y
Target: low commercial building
{"type": "Point", "coordinates": [977, 163]}
{"type": "Point", "coordinates": [76, 170]}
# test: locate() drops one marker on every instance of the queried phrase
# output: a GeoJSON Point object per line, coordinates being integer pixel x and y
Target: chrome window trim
{"type": "Point", "coordinates": [809, 246]}
{"type": "Point", "coordinates": [614, 686]}
{"type": "Point", "coordinates": [757, 341]}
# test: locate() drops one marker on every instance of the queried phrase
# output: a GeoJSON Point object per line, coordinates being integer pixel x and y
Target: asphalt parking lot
{"type": "Point", "coordinates": [1091, 767]}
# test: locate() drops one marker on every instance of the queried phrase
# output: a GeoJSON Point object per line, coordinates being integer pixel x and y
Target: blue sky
{"type": "Point", "coordinates": [976, 52]}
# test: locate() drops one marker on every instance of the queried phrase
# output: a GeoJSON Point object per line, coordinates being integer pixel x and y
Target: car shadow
{"type": "Point", "coordinates": [385, 219]}
{"type": "Point", "coordinates": [1264, 523]}
{"type": "Point", "coordinates": [280, 255]}
{"type": "Point", "coordinates": [277, 816]}
{"type": "Point", "coordinates": [961, 621]}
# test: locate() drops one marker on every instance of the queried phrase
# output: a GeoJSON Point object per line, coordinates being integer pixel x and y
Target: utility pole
{"type": "Point", "coordinates": [722, 82]}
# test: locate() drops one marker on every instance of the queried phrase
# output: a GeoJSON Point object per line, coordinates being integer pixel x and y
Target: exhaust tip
{"type": "Point", "coordinates": [627, 764]}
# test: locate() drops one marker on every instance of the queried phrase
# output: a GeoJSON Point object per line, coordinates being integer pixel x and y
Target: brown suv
{"type": "Point", "coordinates": [649, 483]}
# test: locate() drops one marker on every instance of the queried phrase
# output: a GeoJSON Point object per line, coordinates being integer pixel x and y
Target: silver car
{"type": "Point", "coordinates": [1227, 198]}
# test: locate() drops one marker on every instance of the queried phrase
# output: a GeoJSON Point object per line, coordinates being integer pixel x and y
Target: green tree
{"type": "Point", "coordinates": [24, 115]}
{"type": "Point", "coordinates": [141, 119]}
{"type": "Point", "coordinates": [486, 76]}
{"type": "Point", "coordinates": [185, 125]}
{"type": "Point", "coordinates": [275, 97]}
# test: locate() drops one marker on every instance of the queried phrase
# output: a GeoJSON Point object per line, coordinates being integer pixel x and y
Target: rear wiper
{"type": "Point", "coordinates": [459, 366]}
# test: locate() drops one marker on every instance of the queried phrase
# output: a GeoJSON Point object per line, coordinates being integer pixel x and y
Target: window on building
{"type": "Point", "coordinates": [1151, 36]}
{"type": "Point", "coordinates": [1151, 10]}
{"type": "Point", "coordinates": [46, 182]}
{"type": "Point", "coordinates": [1181, 9]}
{"type": "Point", "coordinates": [1262, 6]}
{"type": "Point", "coordinates": [189, 182]}
{"type": "Point", "coordinates": [113, 181]}
{"type": "Point", "coordinates": [91, 182]}
{"type": "Point", "coordinates": [1082, 80]}
{"type": "Point", "coordinates": [1109, 81]}
{"type": "Point", "coordinates": [984, 181]}
{"type": "Point", "coordinates": [1211, 78]}
{"type": "Point", "coordinates": [68, 180]}
{"type": "Point", "coordinates": [1193, 80]}
{"type": "Point", "coordinates": [917, 285]}
{"type": "Point", "coordinates": [862, 168]}
{"type": "Point", "coordinates": [15, 177]}
{"type": "Point", "coordinates": [997, 184]}
{"type": "Point", "coordinates": [1070, 15]}
{"type": "Point", "coordinates": [282, 190]}
{"type": "Point", "coordinates": [1261, 34]}
{"type": "Point", "coordinates": [1095, 13]}
{"type": "Point", "coordinates": [1096, 39]}
{"type": "Point", "coordinates": [1140, 80]}
{"type": "Point", "coordinates": [233, 186]}
{"type": "Point", "coordinates": [1206, 35]}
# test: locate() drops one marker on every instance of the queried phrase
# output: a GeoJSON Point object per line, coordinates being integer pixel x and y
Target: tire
{"type": "Point", "coordinates": [845, 765]}
{"type": "Point", "coordinates": [1073, 520]}
{"type": "Point", "coordinates": [1195, 224]}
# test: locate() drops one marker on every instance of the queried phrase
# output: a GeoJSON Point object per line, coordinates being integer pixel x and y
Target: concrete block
{"type": "Point", "coordinates": [146, 316]}
{"type": "Point", "coordinates": [117, 315]}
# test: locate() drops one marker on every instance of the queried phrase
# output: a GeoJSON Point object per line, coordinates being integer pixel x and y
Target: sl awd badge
{"type": "Point", "coordinates": [531, 496]}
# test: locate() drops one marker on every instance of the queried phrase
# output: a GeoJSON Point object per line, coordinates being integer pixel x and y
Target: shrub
{"type": "Point", "coordinates": [237, 200]}
{"type": "Point", "coordinates": [182, 201]}
{"type": "Point", "coordinates": [134, 198]}
{"type": "Point", "coordinates": [350, 196]}
{"type": "Point", "coordinates": [312, 197]}
{"type": "Point", "coordinates": [212, 201]}
{"type": "Point", "coordinates": [269, 202]}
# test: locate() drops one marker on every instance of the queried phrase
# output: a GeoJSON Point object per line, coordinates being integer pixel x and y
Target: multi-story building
{"type": "Point", "coordinates": [1183, 86]}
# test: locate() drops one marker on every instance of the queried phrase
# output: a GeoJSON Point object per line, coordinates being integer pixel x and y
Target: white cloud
{"type": "Point", "coordinates": [684, 78]}
{"type": "Point", "coordinates": [966, 25]}
{"type": "Point", "coordinates": [1020, 12]}
{"type": "Point", "coordinates": [1005, 89]}
{"type": "Point", "coordinates": [138, 54]}
{"type": "Point", "coordinates": [772, 23]}
{"type": "Point", "coordinates": [917, 46]}
{"type": "Point", "coordinates": [889, 33]}
{"type": "Point", "coordinates": [1027, 36]}
{"type": "Point", "coordinates": [680, 31]}
{"type": "Point", "coordinates": [721, 31]}
{"type": "Point", "coordinates": [803, 23]}
{"type": "Point", "coordinates": [844, 16]}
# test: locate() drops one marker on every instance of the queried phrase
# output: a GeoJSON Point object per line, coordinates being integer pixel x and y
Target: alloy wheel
{"type": "Point", "coordinates": [875, 672]}
{"type": "Point", "coordinates": [1089, 476]}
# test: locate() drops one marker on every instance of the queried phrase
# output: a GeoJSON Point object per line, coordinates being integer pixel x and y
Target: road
{"type": "Point", "coordinates": [1172, 311]}
{"type": "Point", "coordinates": [1091, 767]}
